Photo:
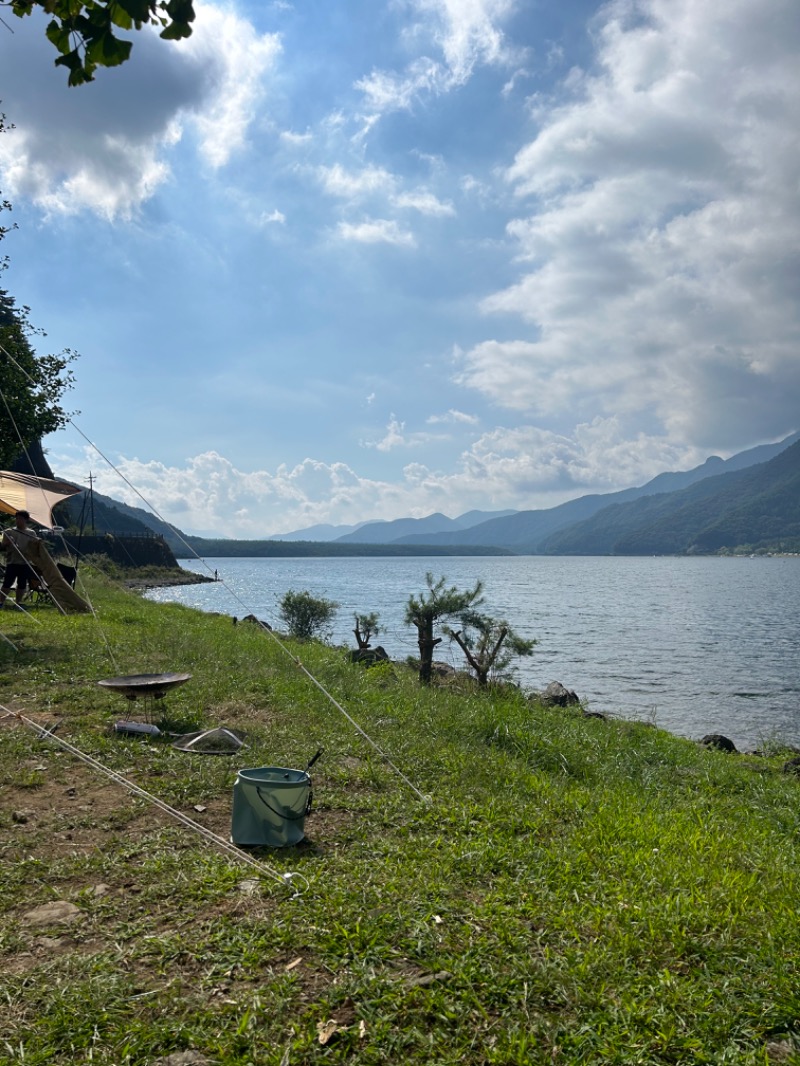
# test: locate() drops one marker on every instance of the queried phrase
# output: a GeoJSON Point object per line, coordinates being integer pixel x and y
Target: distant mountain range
{"type": "Point", "coordinates": [389, 532]}
{"type": "Point", "coordinates": [532, 532]}
{"type": "Point", "coordinates": [751, 499]}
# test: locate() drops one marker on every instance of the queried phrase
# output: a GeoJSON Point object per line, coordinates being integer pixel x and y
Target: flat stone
{"type": "Point", "coordinates": [57, 945]}
{"type": "Point", "coordinates": [59, 912]}
{"type": "Point", "coordinates": [780, 1050]}
{"type": "Point", "coordinates": [183, 1058]}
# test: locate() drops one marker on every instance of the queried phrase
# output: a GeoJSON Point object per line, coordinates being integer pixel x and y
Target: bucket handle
{"type": "Point", "coordinates": [282, 814]}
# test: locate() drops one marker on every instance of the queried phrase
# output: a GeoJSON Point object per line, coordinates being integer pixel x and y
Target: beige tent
{"type": "Point", "coordinates": [36, 495]}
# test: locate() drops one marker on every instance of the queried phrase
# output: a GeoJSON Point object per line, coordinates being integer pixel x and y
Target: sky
{"type": "Point", "coordinates": [329, 262]}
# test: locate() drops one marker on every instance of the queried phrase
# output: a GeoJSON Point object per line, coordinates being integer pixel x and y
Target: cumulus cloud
{"type": "Point", "coordinates": [105, 147]}
{"type": "Point", "coordinates": [659, 247]}
{"type": "Point", "coordinates": [503, 468]}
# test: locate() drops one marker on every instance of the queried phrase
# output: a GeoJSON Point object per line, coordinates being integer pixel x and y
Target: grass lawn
{"type": "Point", "coordinates": [572, 890]}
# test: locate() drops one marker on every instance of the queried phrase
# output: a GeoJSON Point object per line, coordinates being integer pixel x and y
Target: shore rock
{"type": "Point", "coordinates": [369, 656]}
{"type": "Point", "coordinates": [718, 741]}
{"type": "Point", "coordinates": [556, 695]}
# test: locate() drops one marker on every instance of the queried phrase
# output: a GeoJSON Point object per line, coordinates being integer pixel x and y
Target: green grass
{"type": "Point", "coordinates": [575, 891]}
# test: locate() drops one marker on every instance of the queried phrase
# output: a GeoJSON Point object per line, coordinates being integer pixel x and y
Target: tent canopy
{"type": "Point", "coordinates": [37, 495]}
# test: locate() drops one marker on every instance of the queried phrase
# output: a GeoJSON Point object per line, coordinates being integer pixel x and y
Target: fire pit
{"type": "Point", "coordinates": [147, 687]}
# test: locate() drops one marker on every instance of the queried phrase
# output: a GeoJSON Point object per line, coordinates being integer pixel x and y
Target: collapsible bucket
{"type": "Point", "coordinates": [270, 805]}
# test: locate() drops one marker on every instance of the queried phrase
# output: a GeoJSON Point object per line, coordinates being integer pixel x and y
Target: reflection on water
{"type": "Point", "coordinates": [696, 645]}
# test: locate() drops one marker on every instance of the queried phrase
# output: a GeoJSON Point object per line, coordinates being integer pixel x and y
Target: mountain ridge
{"type": "Point", "coordinates": [526, 531]}
{"type": "Point", "coordinates": [755, 506]}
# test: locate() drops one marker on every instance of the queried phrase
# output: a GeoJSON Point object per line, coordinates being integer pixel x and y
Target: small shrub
{"type": "Point", "coordinates": [307, 616]}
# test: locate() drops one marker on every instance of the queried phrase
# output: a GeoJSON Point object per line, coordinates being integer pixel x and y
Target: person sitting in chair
{"type": "Point", "coordinates": [16, 543]}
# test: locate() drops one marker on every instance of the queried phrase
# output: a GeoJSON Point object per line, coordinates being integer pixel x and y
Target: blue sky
{"type": "Point", "coordinates": [332, 262]}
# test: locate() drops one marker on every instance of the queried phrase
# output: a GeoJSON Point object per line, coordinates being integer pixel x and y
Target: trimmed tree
{"type": "Point", "coordinates": [366, 628]}
{"type": "Point", "coordinates": [489, 644]}
{"type": "Point", "coordinates": [432, 607]}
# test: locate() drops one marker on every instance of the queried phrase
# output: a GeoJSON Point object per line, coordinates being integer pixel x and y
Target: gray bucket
{"type": "Point", "coordinates": [270, 805]}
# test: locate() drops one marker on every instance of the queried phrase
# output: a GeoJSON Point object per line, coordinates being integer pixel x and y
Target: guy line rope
{"type": "Point", "coordinates": [420, 795]}
{"type": "Point", "coordinates": [220, 842]}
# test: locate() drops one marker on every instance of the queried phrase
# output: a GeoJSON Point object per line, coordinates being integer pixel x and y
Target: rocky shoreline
{"type": "Point", "coordinates": [166, 579]}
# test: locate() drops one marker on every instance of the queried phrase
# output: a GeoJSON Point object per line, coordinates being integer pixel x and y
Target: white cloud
{"type": "Point", "coordinates": [354, 185]}
{"type": "Point", "coordinates": [272, 218]}
{"type": "Point", "coordinates": [105, 147]}
{"type": "Point", "coordinates": [424, 202]}
{"type": "Point", "coordinates": [376, 231]}
{"type": "Point", "coordinates": [378, 185]}
{"type": "Point", "coordinates": [290, 137]}
{"type": "Point", "coordinates": [393, 438]}
{"type": "Point", "coordinates": [397, 437]}
{"type": "Point", "coordinates": [233, 58]}
{"type": "Point", "coordinates": [385, 92]}
{"type": "Point", "coordinates": [662, 235]}
{"type": "Point", "coordinates": [469, 32]}
{"type": "Point", "coordinates": [464, 33]}
{"type": "Point", "coordinates": [453, 416]}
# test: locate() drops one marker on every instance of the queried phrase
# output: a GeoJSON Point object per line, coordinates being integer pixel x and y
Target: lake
{"type": "Point", "coordinates": [695, 645]}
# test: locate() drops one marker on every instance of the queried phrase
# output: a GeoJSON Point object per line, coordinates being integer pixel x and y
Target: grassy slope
{"type": "Point", "coordinates": [577, 891]}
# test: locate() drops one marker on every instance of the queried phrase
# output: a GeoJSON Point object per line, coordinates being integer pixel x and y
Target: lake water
{"type": "Point", "coordinates": [696, 645]}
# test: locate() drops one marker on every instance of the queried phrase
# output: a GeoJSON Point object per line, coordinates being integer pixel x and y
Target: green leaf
{"type": "Point", "coordinates": [175, 32]}
{"type": "Point", "coordinates": [120, 17]}
{"type": "Point", "coordinates": [58, 35]}
{"type": "Point", "coordinates": [106, 50]}
{"type": "Point", "coordinates": [79, 72]}
{"type": "Point", "coordinates": [140, 11]}
{"type": "Point", "coordinates": [179, 10]}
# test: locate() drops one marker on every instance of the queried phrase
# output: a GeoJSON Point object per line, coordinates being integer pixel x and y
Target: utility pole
{"type": "Point", "coordinates": [91, 500]}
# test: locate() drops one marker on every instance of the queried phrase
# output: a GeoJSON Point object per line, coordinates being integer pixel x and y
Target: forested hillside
{"type": "Point", "coordinates": [754, 508]}
{"type": "Point", "coordinates": [527, 532]}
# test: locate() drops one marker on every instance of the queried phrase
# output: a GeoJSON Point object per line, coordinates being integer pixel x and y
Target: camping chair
{"type": "Point", "coordinates": [68, 572]}
{"type": "Point", "coordinates": [39, 595]}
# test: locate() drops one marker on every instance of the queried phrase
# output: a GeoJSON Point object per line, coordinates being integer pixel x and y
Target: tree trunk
{"type": "Point", "coordinates": [426, 642]}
